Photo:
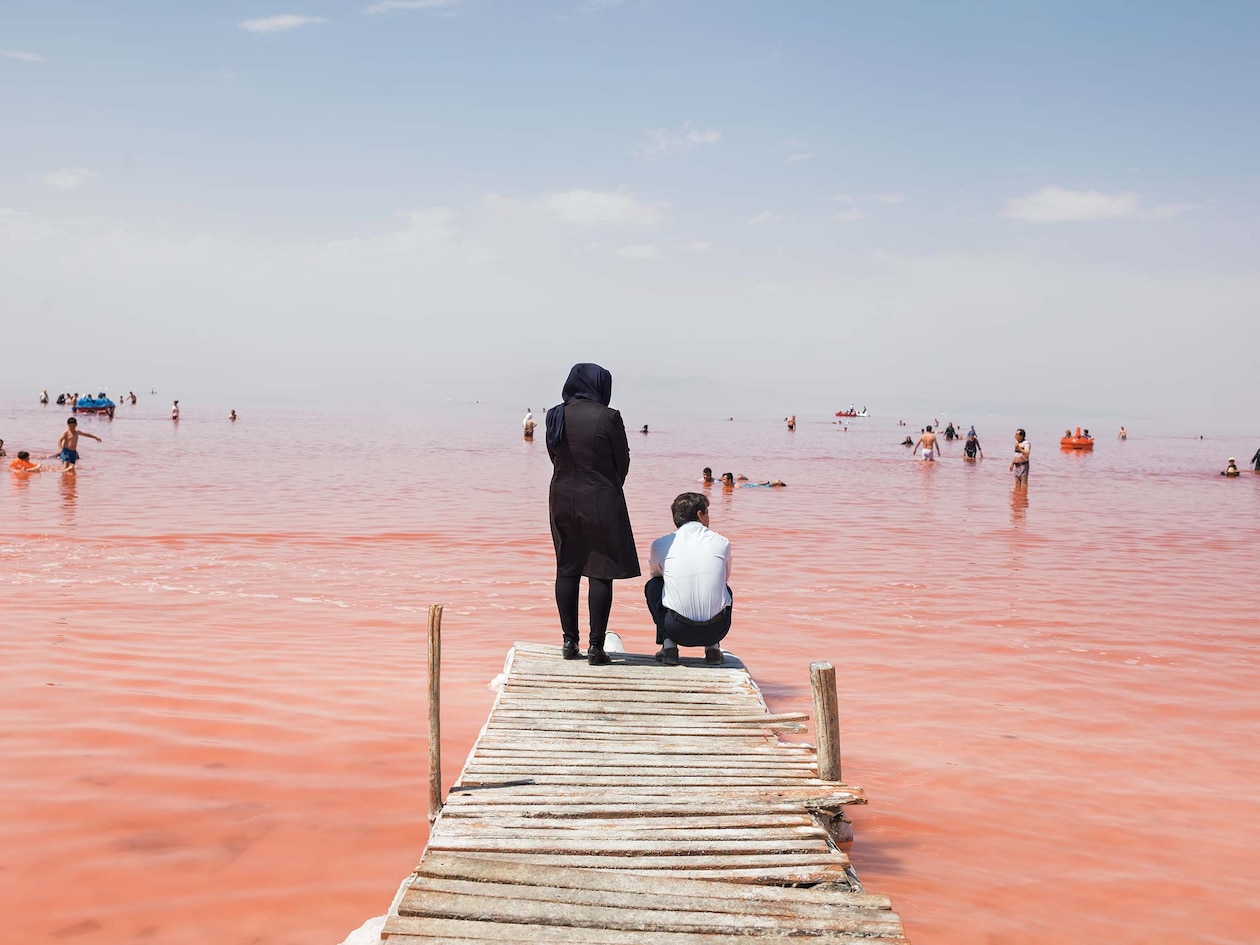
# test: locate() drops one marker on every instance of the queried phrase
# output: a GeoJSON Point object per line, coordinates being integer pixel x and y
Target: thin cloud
{"type": "Point", "coordinates": [24, 56]}
{"type": "Point", "coordinates": [389, 6]}
{"type": "Point", "coordinates": [1056, 205]}
{"type": "Point", "coordinates": [639, 251]}
{"type": "Point", "coordinates": [766, 216]}
{"type": "Point", "coordinates": [851, 215]}
{"type": "Point", "coordinates": [279, 24]}
{"type": "Point", "coordinates": [1166, 211]}
{"type": "Point", "coordinates": [593, 206]}
{"type": "Point", "coordinates": [68, 178]}
{"type": "Point", "coordinates": [598, 6]}
{"type": "Point", "coordinates": [843, 198]}
{"type": "Point", "coordinates": [793, 158]}
{"type": "Point", "coordinates": [684, 138]}
{"type": "Point", "coordinates": [696, 246]}
{"type": "Point", "coordinates": [889, 198]}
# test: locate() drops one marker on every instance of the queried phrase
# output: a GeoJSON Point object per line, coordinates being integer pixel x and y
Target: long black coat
{"type": "Point", "coordinates": [590, 524]}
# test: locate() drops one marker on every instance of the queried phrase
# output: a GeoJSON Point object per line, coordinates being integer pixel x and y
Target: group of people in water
{"type": "Point", "coordinates": [68, 443]}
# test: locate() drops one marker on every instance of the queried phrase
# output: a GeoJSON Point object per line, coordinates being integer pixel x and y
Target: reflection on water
{"type": "Point", "coordinates": [212, 663]}
{"type": "Point", "coordinates": [1019, 503]}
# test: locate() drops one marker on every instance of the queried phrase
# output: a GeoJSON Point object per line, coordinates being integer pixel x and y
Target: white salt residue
{"type": "Point", "coordinates": [321, 600]}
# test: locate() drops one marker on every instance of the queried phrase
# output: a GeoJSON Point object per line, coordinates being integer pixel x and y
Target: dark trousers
{"type": "Point", "coordinates": [678, 628]}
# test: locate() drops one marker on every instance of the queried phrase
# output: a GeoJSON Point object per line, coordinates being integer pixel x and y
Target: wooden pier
{"type": "Point", "coordinates": [637, 804]}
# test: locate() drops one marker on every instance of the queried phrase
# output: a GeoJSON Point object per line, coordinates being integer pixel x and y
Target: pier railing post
{"type": "Point", "coordinates": [435, 711]}
{"type": "Point", "coordinates": [822, 679]}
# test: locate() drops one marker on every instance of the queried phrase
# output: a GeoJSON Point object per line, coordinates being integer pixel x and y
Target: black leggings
{"type": "Point", "coordinates": [598, 601]}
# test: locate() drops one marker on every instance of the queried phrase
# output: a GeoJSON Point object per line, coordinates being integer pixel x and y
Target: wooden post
{"type": "Point", "coordinates": [822, 679]}
{"type": "Point", "coordinates": [435, 711]}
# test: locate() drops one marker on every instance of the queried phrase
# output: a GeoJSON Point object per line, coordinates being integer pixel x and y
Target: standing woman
{"type": "Point", "coordinates": [590, 525]}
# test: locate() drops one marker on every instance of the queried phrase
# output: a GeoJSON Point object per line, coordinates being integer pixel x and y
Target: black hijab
{"type": "Point", "coordinates": [586, 382]}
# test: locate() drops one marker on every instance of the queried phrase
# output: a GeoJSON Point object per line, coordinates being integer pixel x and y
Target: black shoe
{"type": "Point", "coordinates": [571, 651]}
{"type": "Point", "coordinates": [596, 656]}
{"type": "Point", "coordinates": [713, 655]}
{"type": "Point", "coordinates": [668, 656]}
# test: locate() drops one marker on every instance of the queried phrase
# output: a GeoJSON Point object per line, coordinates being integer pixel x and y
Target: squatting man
{"type": "Point", "coordinates": [688, 592]}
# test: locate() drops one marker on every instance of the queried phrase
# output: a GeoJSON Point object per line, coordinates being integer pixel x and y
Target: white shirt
{"type": "Point", "coordinates": [696, 564]}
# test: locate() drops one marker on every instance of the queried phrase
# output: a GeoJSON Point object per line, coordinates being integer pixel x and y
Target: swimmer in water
{"type": "Point", "coordinates": [1231, 469]}
{"type": "Point", "coordinates": [728, 481]}
{"type": "Point", "coordinates": [644, 430]}
{"type": "Point", "coordinates": [791, 422]}
{"type": "Point", "coordinates": [706, 476]}
{"type": "Point", "coordinates": [232, 416]}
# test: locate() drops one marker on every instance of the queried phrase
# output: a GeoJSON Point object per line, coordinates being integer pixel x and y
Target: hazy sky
{"type": "Point", "coordinates": [886, 203]}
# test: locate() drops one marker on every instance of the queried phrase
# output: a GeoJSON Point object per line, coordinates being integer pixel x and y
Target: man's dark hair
{"type": "Point", "coordinates": [73, 421]}
{"type": "Point", "coordinates": [928, 428]}
{"type": "Point", "coordinates": [707, 471]}
{"type": "Point", "coordinates": [1021, 433]}
{"type": "Point", "coordinates": [687, 508]}
{"type": "Point", "coordinates": [23, 454]}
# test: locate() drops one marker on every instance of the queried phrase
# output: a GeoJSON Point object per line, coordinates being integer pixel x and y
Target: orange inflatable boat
{"type": "Point", "coordinates": [1081, 441]}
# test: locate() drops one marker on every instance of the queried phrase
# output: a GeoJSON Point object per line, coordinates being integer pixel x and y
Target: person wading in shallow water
{"type": "Point", "coordinates": [590, 525]}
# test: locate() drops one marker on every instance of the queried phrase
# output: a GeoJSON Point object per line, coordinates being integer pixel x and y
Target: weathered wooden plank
{"type": "Point", "coordinates": [632, 914]}
{"type": "Point", "coordinates": [538, 770]}
{"type": "Point", "coordinates": [619, 846]}
{"type": "Point", "coordinates": [404, 930]}
{"type": "Point", "coordinates": [808, 794]}
{"type": "Point", "coordinates": [630, 811]}
{"type": "Point", "coordinates": [576, 694]}
{"type": "Point", "coordinates": [694, 820]}
{"type": "Point", "coordinates": [673, 835]}
{"type": "Point", "coordinates": [515, 873]}
{"type": "Point", "coordinates": [786, 870]}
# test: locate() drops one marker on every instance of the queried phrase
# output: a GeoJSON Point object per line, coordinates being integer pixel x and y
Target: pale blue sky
{"type": "Point", "coordinates": [888, 203]}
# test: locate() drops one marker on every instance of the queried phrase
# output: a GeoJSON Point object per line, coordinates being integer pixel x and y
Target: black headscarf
{"type": "Point", "coordinates": [586, 382]}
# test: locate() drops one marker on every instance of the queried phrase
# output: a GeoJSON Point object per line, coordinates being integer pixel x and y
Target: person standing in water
{"type": "Point", "coordinates": [528, 424]}
{"type": "Point", "coordinates": [69, 443]}
{"type": "Point", "coordinates": [928, 442]}
{"type": "Point", "coordinates": [1019, 464]}
{"type": "Point", "coordinates": [971, 448]}
{"type": "Point", "coordinates": [590, 524]}
{"type": "Point", "coordinates": [175, 411]}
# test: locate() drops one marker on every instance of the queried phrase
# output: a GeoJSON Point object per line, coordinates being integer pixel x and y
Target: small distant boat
{"type": "Point", "coordinates": [852, 413]}
{"type": "Point", "coordinates": [1079, 441]}
{"type": "Point", "coordinates": [98, 404]}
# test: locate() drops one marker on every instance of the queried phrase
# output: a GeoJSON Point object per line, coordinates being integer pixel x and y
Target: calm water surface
{"type": "Point", "coordinates": [212, 662]}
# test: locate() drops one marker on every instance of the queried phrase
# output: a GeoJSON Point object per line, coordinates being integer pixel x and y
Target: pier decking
{"type": "Point", "coordinates": [633, 804]}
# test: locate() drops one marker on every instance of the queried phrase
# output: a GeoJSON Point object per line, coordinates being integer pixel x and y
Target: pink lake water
{"type": "Point", "coordinates": [212, 662]}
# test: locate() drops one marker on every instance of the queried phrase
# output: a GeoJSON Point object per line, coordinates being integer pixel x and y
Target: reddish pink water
{"type": "Point", "coordinates": [212, 664]}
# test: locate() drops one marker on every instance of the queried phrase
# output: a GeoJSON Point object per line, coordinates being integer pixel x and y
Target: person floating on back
{"type": "Point", "coordinates": [69, 443]}
{"type": "Point", "coordinates": [688, 592]}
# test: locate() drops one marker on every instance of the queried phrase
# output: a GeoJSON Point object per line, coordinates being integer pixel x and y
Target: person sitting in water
{"type": "Point", "coordinates": [232, 416]}
{"type": "Point", "coordinates": [23, 463]}
{"type": "Point", "coordinates": [706, 476]}
{"type": "Point", "coordinates": [688, 592]}
{"type": "Point", "coordinates": [644, 430]}
{"type": "Point", "coordinates": [791, 422]}
{"type": "Point", "coordinates": [1231, 469]}
{"type": "Point", "coordinates": [907, 442]}
{"type": "Point", "coordinates": [728, 481]}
